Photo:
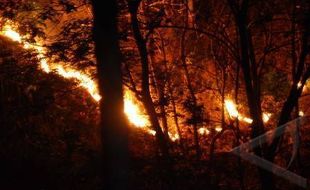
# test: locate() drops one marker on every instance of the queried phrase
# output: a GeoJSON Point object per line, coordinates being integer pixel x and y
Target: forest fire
{"type": "Point", "coordinates": [213, 94]}
{"type": "Point", "coordinates": [84, 81]}
{"type": "Point", "coordinates": [234, 114]}
{"type": "Point", "coordinates": [131, 109]}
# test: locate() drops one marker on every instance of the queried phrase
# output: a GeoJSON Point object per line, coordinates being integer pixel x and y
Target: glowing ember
{"type": "Point", "coordinates": [203, 131]}
{"type": "Point", "coordinates": [299, 84]}
{"type": "Point", "coordinates": [247, 120]}
{"type": "Point", "coordinates": [304, 89]}
{"type": "Point", "coordinates": [218, 129]}
{"type": "Point", "coordinates": [152, 132]}
{"type": "Point", "coordinates": [173, 137]}
{"type": "Point", "coordinates": [266, 117]}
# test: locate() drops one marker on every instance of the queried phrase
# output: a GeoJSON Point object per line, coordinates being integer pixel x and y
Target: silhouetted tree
{"type": "Point", "coordinates": [113, 122]}
{"type": "Point", "coordinates": [146, 94]}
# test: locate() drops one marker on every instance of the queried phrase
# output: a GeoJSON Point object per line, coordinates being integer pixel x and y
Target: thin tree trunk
{"type": "Point", "coordinates": [248, 66]}
{"type": "Point", "coordinates": [213, 145]}
{"type": "Point", "coordinates": [161, 96]}
{"type": "Point", "coordinates": [160, 89]}
{"type": "Point", "coordinates": [253, 102]}
{"type": "Point", "coordinates": [295, 92]}
{"type": "Point", "coordinates": [192, 94]}
{"type": "Point", "coordinates": [146, 96]}
{"type": "Point", "coordinates": [176, 120]}
{"type": "Point", "coordinates": [170, 91]}
{"type": "Point", "coordinates": [223, 96]}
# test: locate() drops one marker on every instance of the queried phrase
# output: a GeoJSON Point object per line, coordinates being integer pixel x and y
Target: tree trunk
{"type": "Point", "coordinates": [170, 91]}
{"type": "Point", "coordinates": [161, 96]}
{"type": "Point", "coordinates": [299, 75]}
{"type": "Point", "coordinates": [160, 90]}
{"type": "Point", "coordinates": [253, 100]}
{"type": "Point", "coordinates": [191, 93]}
{"type": "Point", "coordinates": [248, 66]}
{"type": "Point", "coordinates": [113, 121]}
{"type": "Point", "coordinates": [146, 96]}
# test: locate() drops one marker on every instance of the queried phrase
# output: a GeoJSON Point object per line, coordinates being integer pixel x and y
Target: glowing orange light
{"type": "Point", "coordinates": [203, 131]}
{"type": "Point", "coordinates": [231, 108]}
{"type": "Point", "coordinates": [173, 137]}
{"type": "Point", "coordinates": [218, 129]}
{"type": "Point", "coordinates": [134, 112]}
{"type": "Point", "coordinates": [299, 84]}
{"type": "Point", "coordinates": [266, 117]}
{"type": "Point", "coordinates": [152, 132]}
{"type": "Point", "coordinates": [131, 109]}
{"type": "Point", "coordinates": [10, 33]}
{"type": "Point", "coordinates": [234, 114]}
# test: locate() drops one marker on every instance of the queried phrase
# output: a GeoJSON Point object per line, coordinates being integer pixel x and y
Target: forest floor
{"type": "Point", "coordinates": [222, 174]}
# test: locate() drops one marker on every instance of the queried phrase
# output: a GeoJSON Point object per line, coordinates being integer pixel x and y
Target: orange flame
{"type": "Point", "coordinates": [173, 137]}
{"type": "Point", "coordinates": [266, 117]}
{"type": "Point", "coordinates": [131, 109]}
{"type": "Point", "coordinates": [203, 131]}
{"type": "Point", "coordinates": [231, 108]}
{"type": "Point", "coordinates": [10, 33]}
{"type": "Point", "coordinates": [218, 129]}
{"type": "Point", "coordinates": [234, 114]}
{"type": "Point", "coordinates": [134, 113]}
